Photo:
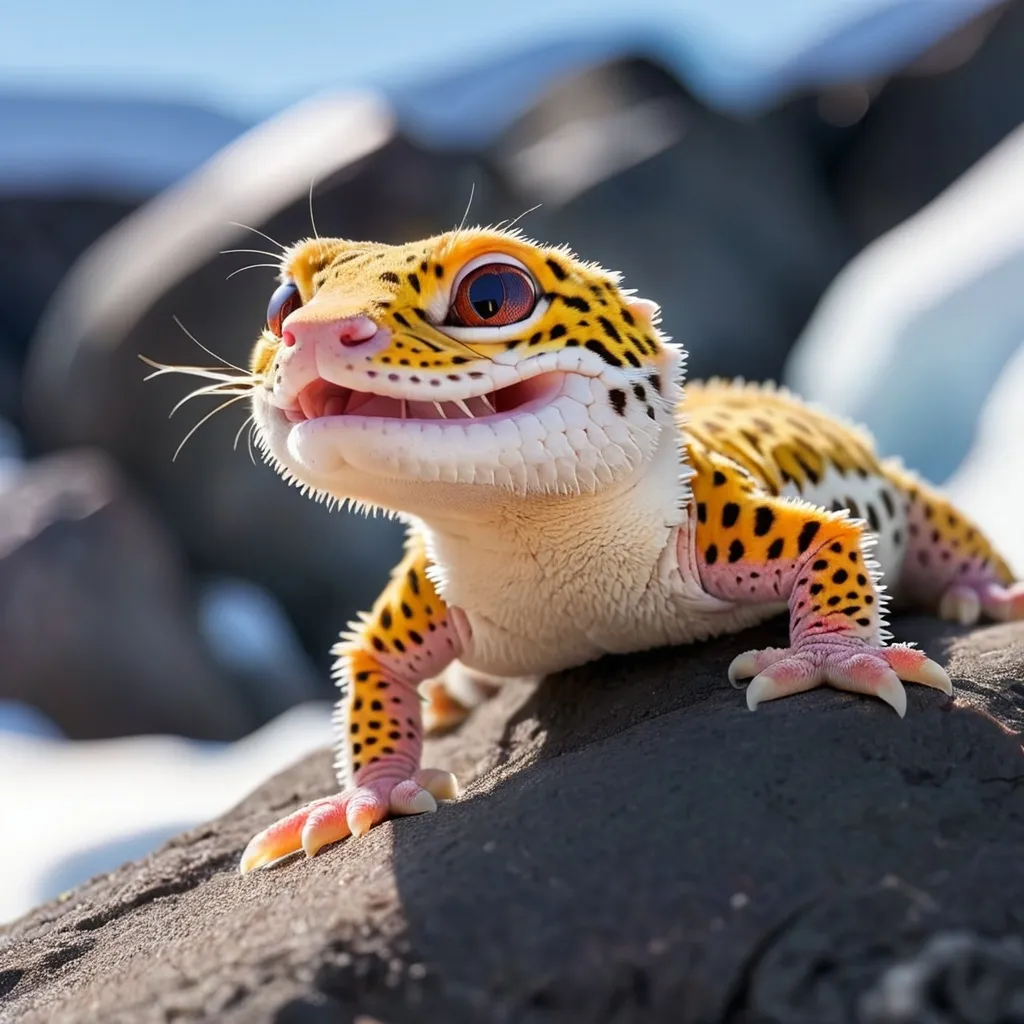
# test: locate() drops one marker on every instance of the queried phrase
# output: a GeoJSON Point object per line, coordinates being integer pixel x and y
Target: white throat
{"type": "Point", "coordinates": [544, 581]}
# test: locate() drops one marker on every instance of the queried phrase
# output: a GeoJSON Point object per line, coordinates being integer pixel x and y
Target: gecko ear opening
{"type": "Point", "coordinates": [644, 309]}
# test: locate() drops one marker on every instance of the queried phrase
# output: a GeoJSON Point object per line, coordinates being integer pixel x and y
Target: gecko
{"type": "Point", "coordinates": [569, 495]}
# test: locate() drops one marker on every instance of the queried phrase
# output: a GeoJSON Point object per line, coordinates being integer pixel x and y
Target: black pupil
{"type": "Point", "coordinates": [487, 294]}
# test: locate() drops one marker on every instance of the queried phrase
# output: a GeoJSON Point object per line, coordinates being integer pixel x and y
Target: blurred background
{"type": "Point", "coordinates": [828, 193]}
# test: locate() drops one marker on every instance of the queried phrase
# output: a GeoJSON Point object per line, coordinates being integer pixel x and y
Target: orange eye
{"type": "Point", "coordinates": [285, 300]}
{"type": "Point", "coordinates": [493, 295]}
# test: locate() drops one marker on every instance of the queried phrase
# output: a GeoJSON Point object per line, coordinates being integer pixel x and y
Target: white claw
{"type": "Point", "coordinates": [462, 405]}
{"type": "Point", "coordinates": [930, 673]}
{"type": "Point", "coordinates": [421, 803]}
{"type": "Point", "coordinates": [440, 784]}
{"type": "Point", "coordinates": [892, 692]}
{"type": "Point", "coordinates": [440, 411]}
{"type": "Point", "coordinates": [960, 604]}
{"type": "Point", "coordinates": [743, 666]}
{"type": "Point", "coordinates": [760, 689]}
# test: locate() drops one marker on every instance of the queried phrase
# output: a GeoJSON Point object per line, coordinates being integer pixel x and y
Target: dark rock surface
{"type": "Point", "coordinates": [96, 627]}
{"type": "Point", "coordinates": [633, 845]}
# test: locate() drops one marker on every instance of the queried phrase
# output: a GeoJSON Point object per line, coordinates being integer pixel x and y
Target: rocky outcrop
{"type": "Point", "coordinates": [633, 845]}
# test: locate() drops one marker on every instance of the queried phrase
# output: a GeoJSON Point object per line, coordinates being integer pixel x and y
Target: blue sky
{"type": "Point", "coordinates": [253, 56]}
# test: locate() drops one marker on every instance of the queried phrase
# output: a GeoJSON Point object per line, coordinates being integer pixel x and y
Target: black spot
{"type": "Point", "coordinates": [840, 576]}
{"type": "Point", "coordinates": [861, 579]}
{"type": "Point", "coordinates": [628, 317]}
{"type": "Point", "coordinates": [609, 328]}
{"type": "Point", "coordinates": [853, 556]}
{"type": "Point", "coordinates": [650, 413]}
{"type": "Point", "coordinates": [928, 512]}
{"type": "Point", "coordinates": [618, 400]}
{"type": "Point", "coordinates": [897, 537]}
{"type": "Point", "coordinates": [852, 609]}
{"type": "Point", "coordinates": [807, 534]}
{"type": "Point", "coordinates": [357, 704]}
{"type": "Point", "coordinates": [853, 507]}
{"type": "Point", "coordinates": [890, 508]}
{"type": "Point", "coordinates": [833, 601]}
{"type": "Point", "coordinates": [415, 637]}
{"type": "Point", "coordinates": [394, 735]}
{"type": "Point", "coordinates": [837, 548]}
{"type": "Point", "coordinates": [596, 346]}
{"type": "Point", "coordinates": [385, 618]}
{"type": "Point", "coordinates": [702, 512]}
{"type": "Point", "coordinates": [414, 581]}
{"type": "Point", "coordinates": [869, 599]}
{"type": "Point", "coordinates": [557, 331]}
{"type": "Point", "coordinates": [399, 646]}
{"type": "Point", "coordinates": [361, 677]}
{"type": "Point", "coordinates": [640, 392]}
{"type": "Point", "coordinates": [863, 622]}
{"type": "Point", "coordinates": [820, 565]}
{"type": "Point", "coordinates": [718, 479]}
{"type": "Point", "coordinates": [438, 270]}
{"type": "Point", "coordinates": [576, 303]}
{"type": "Point", "coordinates": [711, 555]}
{"type": "Point", "coordinates": [536, 337]}
{"type": "Point", "coordinates": [852, 595]}
{"type": "Point", "coordinates": [389, 277]}
{"type": "Point", "coordinates": [817, 588]}
{"type": "Point", "coordinates": [370, 740]}
{"type": "Point", "coordinates": [354, 728]}
{"type": "Point", "coordinates": [631, 359]}
{"type": "Point", "coordinates": [730, 513]}
{"type": "Point", "coordinates": [655, 381]}
{"type": "Point", "coordinates": [557, 269]}
{"type": "Point", "coordinates": [399, 319]}
{"type": "Point", "coordinates": [775, 548]}
{"type": "Point", "coordinates": [378, 644]}
{"type": "Point", "coordinates": [764, 517]}
{"type": "Point", "coordinates": [415, 282]}
{"type": "Point", "coordinates": [735, 551]}
{"type": "Point", "coordinates": [873, 519]}
{"type": "Point", "coordinates": [406, 610]}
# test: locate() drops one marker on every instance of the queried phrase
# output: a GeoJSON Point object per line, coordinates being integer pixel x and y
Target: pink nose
{"type": "Point", "coordinates": [350, 332]}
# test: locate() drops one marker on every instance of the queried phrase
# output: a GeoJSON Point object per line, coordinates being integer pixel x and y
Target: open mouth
{"type": "Point", "coordinates": [322, 399]}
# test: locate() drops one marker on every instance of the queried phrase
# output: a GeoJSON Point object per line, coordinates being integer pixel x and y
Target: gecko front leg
{"type": "Point", "coordinates": [408, 637]}
{"type": "Point", "coordinates": [755, 547]}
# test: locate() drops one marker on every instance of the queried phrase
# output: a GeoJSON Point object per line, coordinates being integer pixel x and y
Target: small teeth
{"type": "Point", "coordinates": [440, 411]}
{"type": "Point", "coordinates": [462, 405]}
{"type": "Point", "coordinates": [487, 402]}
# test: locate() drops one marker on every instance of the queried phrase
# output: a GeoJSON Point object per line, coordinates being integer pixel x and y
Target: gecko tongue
{"type": "Point", "coordinates": [321, 398]}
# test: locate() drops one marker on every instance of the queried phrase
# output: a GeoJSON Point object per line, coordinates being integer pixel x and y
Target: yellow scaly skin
{"type": "Point", "coordinates": [564, 500]}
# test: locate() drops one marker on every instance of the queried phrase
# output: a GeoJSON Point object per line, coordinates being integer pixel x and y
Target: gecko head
{"type": "Point", "coordinates": [457, 369]}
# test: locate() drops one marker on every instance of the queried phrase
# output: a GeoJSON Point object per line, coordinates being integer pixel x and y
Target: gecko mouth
{"type": "Point", "coordinates": [322, 399]}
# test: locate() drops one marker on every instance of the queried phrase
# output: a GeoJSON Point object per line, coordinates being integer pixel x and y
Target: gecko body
{"type": "Point", "coordinates": [569, 495]}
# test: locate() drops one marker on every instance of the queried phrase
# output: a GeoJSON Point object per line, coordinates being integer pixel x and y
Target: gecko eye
{"type": "Point", "coordinates": [493, 295]}
{"type": "Point", "coordinates": [285, 300]}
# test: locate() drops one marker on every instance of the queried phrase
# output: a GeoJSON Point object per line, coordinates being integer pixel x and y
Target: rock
{"type": "Point", "coordinates": [633, 845]}
{"type": "Point", "coordinates": [96, 627]}
{"type": "Point", "coordinates": [725, 222]}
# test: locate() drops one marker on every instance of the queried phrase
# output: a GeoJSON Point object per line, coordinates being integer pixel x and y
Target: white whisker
{"type": "Point", "coordinates": [208, 416]}
{"type": "Point", "coordinates": [252, 266]}
{"type": "Point", "coordinates": [208, 351]}
{"type": "Point", "coordinates": [211, 389]}
{"type": "Point", "coordinates": [256, 231]}
{"type": "Point", "coordinates": [238, 435]}
{"type": "Point", "coordinates": [254, 252]}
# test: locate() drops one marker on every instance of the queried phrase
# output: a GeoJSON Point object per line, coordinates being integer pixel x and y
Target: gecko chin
{"type": "Point", "coordinates": [555, 432]}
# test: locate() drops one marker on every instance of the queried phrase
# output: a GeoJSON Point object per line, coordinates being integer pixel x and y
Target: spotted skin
{"type": "Point", "coordinates": [616, 514]}
{"type": "Point", "coordinates": [407, 637]}
{"type": "Point", "coordinates": [405, 288]}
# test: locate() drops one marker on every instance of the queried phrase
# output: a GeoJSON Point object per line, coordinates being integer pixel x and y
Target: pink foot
{"type": "Point", "coordinates": [843, 662]}
{"type": "Point", "coordinates": [965, 602]}
{"type": "Point", "coordinates": [353, 812]}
